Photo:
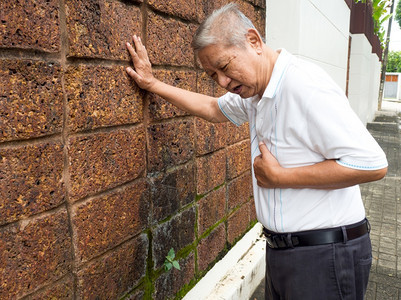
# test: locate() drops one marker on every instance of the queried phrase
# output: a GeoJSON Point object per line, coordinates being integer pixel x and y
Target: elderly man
{"type": "Point", "coordinates": [309, 153]}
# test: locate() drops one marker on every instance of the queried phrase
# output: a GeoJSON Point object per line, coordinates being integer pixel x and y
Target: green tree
{"type": "Point", "coordinates": [398, 13]}
{"type": "Point", "coordinates": [394, 61]}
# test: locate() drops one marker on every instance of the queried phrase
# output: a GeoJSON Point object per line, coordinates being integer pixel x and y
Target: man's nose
{"type": "Point", "coordinates": [223, 80]}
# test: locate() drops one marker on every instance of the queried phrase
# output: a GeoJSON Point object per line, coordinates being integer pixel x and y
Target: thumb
{"type": "Point", "coordinates": [263, 148]}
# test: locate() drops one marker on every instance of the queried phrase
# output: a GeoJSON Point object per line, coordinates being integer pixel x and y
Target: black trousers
{"type": "Point", "coordinates": [332, 271]}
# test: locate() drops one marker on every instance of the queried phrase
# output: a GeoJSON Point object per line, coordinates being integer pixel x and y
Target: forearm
{"type": "Point", "coordinates": [326, 175]}
{"type": "Point", "coordinates": [196, 104]}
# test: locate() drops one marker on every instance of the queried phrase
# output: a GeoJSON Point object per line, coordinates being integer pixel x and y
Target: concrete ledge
{"type": "Point", "coordinates": [383, 126]}
{"type": "Point", "coordinates": [238, 274]}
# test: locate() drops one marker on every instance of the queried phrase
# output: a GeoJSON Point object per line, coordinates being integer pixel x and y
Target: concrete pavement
{"type": "Point", "coordinates": [382, 201]}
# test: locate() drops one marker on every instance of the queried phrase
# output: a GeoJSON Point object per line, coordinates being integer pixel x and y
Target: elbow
{"type": "Point", "coordinates": [381, 173]}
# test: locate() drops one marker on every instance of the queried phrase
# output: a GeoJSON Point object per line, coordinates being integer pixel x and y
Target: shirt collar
{"type": "Point", "coordinates": [279, 69]}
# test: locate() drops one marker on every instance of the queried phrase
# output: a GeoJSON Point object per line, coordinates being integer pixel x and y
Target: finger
{"type": "Point", "coordinates": [139, 47]}
{"type": "Point", "coordinates": [263, 148]}
{"type": "Point", "coordinates": [131, 72]}
{"type": "Point", "coordinates": [132, 52]}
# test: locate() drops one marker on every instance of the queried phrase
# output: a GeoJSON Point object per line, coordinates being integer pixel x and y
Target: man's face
{"type": "Point", "coordinates": [233, 68]}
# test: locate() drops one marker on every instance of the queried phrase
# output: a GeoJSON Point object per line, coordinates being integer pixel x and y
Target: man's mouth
{"type": "Point", "coordinates": [237, 89]}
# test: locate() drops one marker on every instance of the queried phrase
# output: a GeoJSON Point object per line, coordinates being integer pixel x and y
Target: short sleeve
{"type": "Point", "coordinates": [336, 132]}
{"type": "Point", "coordinates": [233, 107]}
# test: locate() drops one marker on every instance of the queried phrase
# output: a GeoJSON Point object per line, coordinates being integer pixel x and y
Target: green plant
{"type": "Point", "coordinates": [170, 261]}
{"type": "Point", "coordinates": [394, 61]}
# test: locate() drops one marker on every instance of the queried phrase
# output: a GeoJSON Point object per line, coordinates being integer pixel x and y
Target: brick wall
{"type": "Point", "coordinates": [98, 179]}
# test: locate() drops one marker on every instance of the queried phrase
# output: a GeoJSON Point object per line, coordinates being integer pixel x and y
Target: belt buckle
{"type": "Point", "coordinates": [270, 242]}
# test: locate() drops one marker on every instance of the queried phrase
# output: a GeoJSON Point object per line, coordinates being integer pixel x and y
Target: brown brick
{"type": "Point", "coordinates": [137, 295]}
{"type": "Point", "coordinates": [100, 28]}
{"type": "Point", "coordinates": [105, 160]}
{"type": "Point", "coordinates": [114, 274]}
{"type": "Point", "coordinates": [171, 191]}
{"type": "Point", "coordinates": [210, 247]}
{"type": "Point", "coordinates": [219, 91]}
{"type": "Point", "coordinates": [174, 48]}
{"type": "Point", "coordinates": [239, 190]}
{"type": "Point", "coordinates": [209, 136]}
{"type": "Point", "coordinates": [160, 108]}
{"type": "Point", "coordinates": [169, 283]}
{"type": "Point", "coordinates": [31, 180]}
{"type": "Point", "coordinates": [236, 133]}
{"type": "Point", "coordinates": [104, 222]}
{"type": "Point", "coordinates": [237, 223]}
{"type": "Point", "coordinates": [170, 144]}
{"type": "Point", "coordinates": [63, 290]}
{"type": "Point", "coordinates": [30, 25]}
{"type": "Point", "coordinates": [238, 159]}
{"type": "Point", "coordinates": [211, 209]}
{"type": "Point", "coordinates": [101, 96]}
{"type": "Point", "coordinates": [184, 9]}
{"type": "Point", "coordinates": [34, 253]}
{"type": "Point", "coordinates": [176, 233]}
{"type": "Point", "coordinates": [252, 210]}
{"type": "Point", "coordinates": [206, 7]}
{"type": "Point", "coordinates": [31, 99]}
{"type": "Point", "coordinates": [205, 84]}
{"type": "Point", "coordinates": [210, 171]}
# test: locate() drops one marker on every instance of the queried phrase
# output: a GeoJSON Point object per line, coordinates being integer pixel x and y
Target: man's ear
{"type": "Point", "coordinates": [254, 40]}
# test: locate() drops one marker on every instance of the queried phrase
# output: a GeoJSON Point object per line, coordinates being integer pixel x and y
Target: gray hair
{"type": "Point", "coordinates": [227, 26]}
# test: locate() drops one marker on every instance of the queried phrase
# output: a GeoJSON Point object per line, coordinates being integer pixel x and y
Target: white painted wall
{"type": "Point", "coordinates": [318, 30]}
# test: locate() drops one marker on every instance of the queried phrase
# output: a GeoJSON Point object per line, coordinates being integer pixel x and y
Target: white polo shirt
{"type": "Point", "coordinates": [305, 118]}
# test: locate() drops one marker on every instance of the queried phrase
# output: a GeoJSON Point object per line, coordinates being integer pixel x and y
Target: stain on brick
{"type": "Point", "coordinates": [63, 290]}
{"type": "Point", "coordinates": [183, 9]}
{"type": "Point", "coordinates": [100, 28]}
{"type": "Point", "coordinates": [100, 97]}
{"type": "Point", "coordinates": [239, 190]}
{"type": "Point", "coordinates": [210, 136]}
{"type": "Point", "coordinates": [116, 273]}
{"type": "Point", "coordinates": [176, 233]}
{"type": "Point", "coordinates": [104, 222]}
{"type": "Point", "coordinates": [34, 253]}
{"type": "Point", "coordinates": [237, 223]}
{"type": "Point", "coordinates": [169, 283]}
{"type": "Point", "coordinates": [210, 171]}
{"type": "Point", "coordinates": [176, 33]}
{"type": "Point", "coordinates": [160, 108]}
{"type": "Point", "coordinates": [210, 247]}
{"type": "Point", "coordinates": [238, 159]}
{"type": "Point", "coordinates": [30, 25]}
{"type": "Point", "coordinates": [31, 99]}
{"type": "Point", "coordinates": [172, 191]}
{"type": "Point", "coordinates": [170, 144]}
{"type": "Point", "coordinates": [104, 160]}
{"type": "Point", "coordinates": [30, 180]}
{"type": "Point", "coordinates": [211, 209]}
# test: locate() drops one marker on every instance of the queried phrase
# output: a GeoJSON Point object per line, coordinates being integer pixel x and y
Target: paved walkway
{"type": "Point", "coordinates": [382, 201]}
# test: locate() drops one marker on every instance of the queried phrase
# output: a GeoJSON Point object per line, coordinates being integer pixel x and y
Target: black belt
{"type": "Point", "coordinates": [316, 237]}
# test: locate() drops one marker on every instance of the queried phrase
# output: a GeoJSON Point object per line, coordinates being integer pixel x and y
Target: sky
{"type": "Point", "coordinates": [395, 37]}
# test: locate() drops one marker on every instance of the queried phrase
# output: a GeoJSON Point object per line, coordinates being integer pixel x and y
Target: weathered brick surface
{"type": "Point", "coordinates": [205, 84]}
{"type": "Point", "coordinates": [30, 180]}
{"type": "Point", "coordinates": [100, 97]}
{"type": "Point", "coordinates": [172, 191]}
{"type": "Point", "coordinates": [34, 253]}
{"type": "Point", "coordinates": [252, 211]}
{"type": "Point", "coordinates": [31, 99]}
{"type": "Point", "coordinates": [160, 108]}
{"type": "Point", "coordinates": [206, 7]}
{"type": "Point", "coordinates": [211, 209]}
{"type": "Point", "coordinates": [170, 144]}
{"type": "Point", "coordinates": [176, 33]}
{"type": "Point", "coordinates": [30, 25]}
{"type": "Point", "coordinates": [237, 223]}
{"type": "Point", "coordinates": [63, 290]}
{"type": "Point", "coordinates": [210, 247]}
{"type": "Point", "coordinates": [114, 274]}
{"type": "Point", "coordinates": [183, 9]}
{"type": "Point", "coordinates": [105, 160]}
{"type": "Point", "coordinates": [100, 28]}
{"type": "Point", "coordinates": [239, 190]}
{"type": "Point", "coordinates": [176, 233]}
{"type": "Point", "coordinates": [237, 133]}
{"type": "Point", "coordinates": [238, 159]}
{"type": "Point", "coordinates": [104, 222]}
{"type": "Point", "coordinates": [137, 295]}
{"type": "Point", "coordinates": [210, 136]}
{"type": "Point", "coordinates": [169, 283]}
{"type": "Point", "coordinates": [210, 171]}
